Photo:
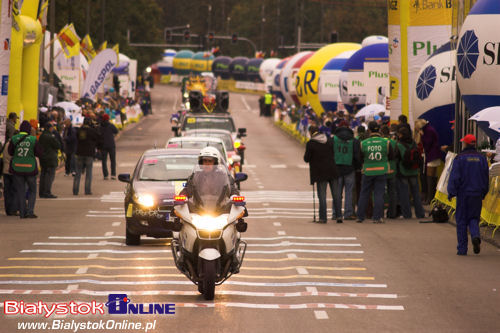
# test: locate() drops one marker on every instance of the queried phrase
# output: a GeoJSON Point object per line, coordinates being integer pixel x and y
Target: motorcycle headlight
{"type": "Point", "coordinates": [209, 223]}
{"type": "Point", "coordinates": [145, 200]}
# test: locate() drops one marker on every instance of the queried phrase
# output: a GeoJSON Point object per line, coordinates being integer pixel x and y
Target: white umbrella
{"type": "Point", "coordinates": [68, 106]}
{"type": "Point", "coordinates": [491, 114]}
{"type": "Point", "coordinates": [495, 125]}
{"type": "Point", "coordinates": [370, 111]}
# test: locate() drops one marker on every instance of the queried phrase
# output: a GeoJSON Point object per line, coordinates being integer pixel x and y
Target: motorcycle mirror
{"type": "Point", "coordinates": [241, 176]}
{"type": "Point", "coordinates": [124, 177]}
{"type": "Point", "coordinates": [242, 132]}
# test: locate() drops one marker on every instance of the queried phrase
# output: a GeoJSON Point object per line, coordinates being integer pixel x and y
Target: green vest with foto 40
{"type": "Point", "coordinates": [23, 160]}
{"type": "Point", "coordinates": [343, 150]}
{"type": "Point", "coordinates": [375, 150]}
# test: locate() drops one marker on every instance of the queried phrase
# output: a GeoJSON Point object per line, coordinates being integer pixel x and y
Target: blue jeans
{"type": "Point", "coordinates": [70, 163]}
{"type": "Point", "coordinates": [347, 182]}
{"type": "Point", "coordinates": [112, 157]}
{"type": "Point", "coordinates": [23, 183]}
{"type": "Point", "coordinates": [407, 186]}
{"type": "Point", "coordinates": [392, 194]}
{"type": "Point", "coordinates": [467, 217]}
{"type": "Point", "coordinates": [81, 163]}
{"type": "Point", "coordinates": [10, 194]}
{"type": "Point", "coordinates": [377, 185]}
{"type": "Point", "coordinates": [47, 176]}
{"type": "Point", "coordinates": [321, 191]}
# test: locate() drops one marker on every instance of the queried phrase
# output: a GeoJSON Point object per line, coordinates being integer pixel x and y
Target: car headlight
{"type": "Point", "coordinates": [209, 223]}
{"type": "Point", "coordinates": [145, 200]}
{"type": "Point", "coordinates": [188, 105]}
{"type": "Point", "coordinates": [186, 95]}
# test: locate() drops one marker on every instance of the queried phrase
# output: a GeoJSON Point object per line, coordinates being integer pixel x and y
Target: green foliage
{"type": "Point", "coordinates": [142, 17]}
{"type": "Point", "coordinates": [146, 19]}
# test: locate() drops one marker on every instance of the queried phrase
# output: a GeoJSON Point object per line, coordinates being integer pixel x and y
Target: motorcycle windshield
{"type": "Point", "coordinates": [211, 189]}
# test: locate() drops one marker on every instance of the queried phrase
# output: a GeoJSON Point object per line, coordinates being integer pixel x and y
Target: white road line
{"type": "Point", "coordinates": [302, 270]}
{"type": "Point", "coordinates": [303, 251]}
{"type": "Point", "coordinates": [260, 187]}
{"type": "Point", "coordinates": [184, 282]}
{"type": "Point", "coordinates": [303, 306]}
{"type": "Point", "coordinates": [278, 166]}
{"type": "Point", "coordinates": [116, 208]}
{"type": "Point", "coordinates": [277, 224]}
{"type": "Point", "coordinates": [281, 233]}
{"type": "Point", "coordinates": [109, 233]}
{"type": "Point", "coordinates": [169, 251]}
{"type": "Point", "coordinates": [292, 256]}
{"type": "Point", "coordinates": [265, 204]}
{"type": "Point", "coordinates": [193, 293]}
{"type": "Point", "coordinates": [98, 215]}
{"type": "Point", "coordinates": [120, 244]}
{"type": "Point", "coordinates": [82, 270]}
{"type": "Point", "coordinates": [96, 251]}
{"type": "Point", "coordinates": [245, 103]}
{"type": "Point", "coordinates": [287, 243]}
{"type": "Point", "coordinates": [101, 243]}
{"type": "Point", "coordinates": [320, 315]}
{"type": "Point", "coordinates": [312, 290]}
{"type": "Point", "coordinates": [104, 212]}
{"type": "Point", "coordinates": [92, 256]}
{"type": "Point", "coordinates": [249, 166]}
{"type": "Point", "coordinates": [72, 287]}
{"type": "Point", "coordinates": [127, 164]}
{"type": "Point", "coordinates": [303, 166]}
{"type": "Point", "coordinates": [116, 224]}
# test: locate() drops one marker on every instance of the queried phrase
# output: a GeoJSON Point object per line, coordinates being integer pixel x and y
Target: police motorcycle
{"type": "Point", "coordinates": [206, 244]}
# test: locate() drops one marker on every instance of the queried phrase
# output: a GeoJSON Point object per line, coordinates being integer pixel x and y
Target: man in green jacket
{"type": "Point", "coordinates": [23, 166]}
{"type": "Point", "coordinates": [376, 152]}
{"type": "Point", "coordinates": [48, 161]}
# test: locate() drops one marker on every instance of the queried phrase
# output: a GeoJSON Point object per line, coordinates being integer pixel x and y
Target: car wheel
{"type": "Point", "coordinates": [132, 239]}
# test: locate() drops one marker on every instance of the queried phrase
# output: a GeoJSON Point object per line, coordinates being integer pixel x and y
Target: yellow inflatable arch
{"type": "Point", "coordinates": [26, 39]}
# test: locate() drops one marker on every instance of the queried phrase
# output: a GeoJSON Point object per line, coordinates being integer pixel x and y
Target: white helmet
{"type": "Point", "coordinates": [211, 152]}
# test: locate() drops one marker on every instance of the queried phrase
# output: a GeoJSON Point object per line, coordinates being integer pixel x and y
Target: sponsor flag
{"type": "Point", "coordinates": [103, 46]}
{"type": "Point", "coordinates": [70, 42]}
{"type": "Point", "coordinates": [42, 17]}
{"type": "Point", "coordinates": [87, 48]}
{"type": "Point", "coordinates": [101, 66]}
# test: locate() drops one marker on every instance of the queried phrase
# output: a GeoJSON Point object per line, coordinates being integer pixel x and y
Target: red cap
{"type": "Point", "coordinates": [105, 117]}
{"type": "Point", "coordinates": [469, 139]}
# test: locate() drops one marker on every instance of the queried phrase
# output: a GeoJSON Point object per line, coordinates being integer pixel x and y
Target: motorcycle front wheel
{"type": "Point", "coordinates": [208, 279]}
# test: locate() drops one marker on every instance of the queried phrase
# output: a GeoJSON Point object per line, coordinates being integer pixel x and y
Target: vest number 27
{"type": "Point", "coordinates": [22, 152]}
{"type": "Point", "coordinates": [375, 156]}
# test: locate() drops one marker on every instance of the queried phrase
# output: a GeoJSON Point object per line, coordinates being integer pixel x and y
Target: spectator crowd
{"type": "Point", "coordinates": [33, 151]}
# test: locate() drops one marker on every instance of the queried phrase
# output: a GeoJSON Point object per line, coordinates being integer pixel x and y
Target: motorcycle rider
{"type": "Point", "coordinates": [208, 175]}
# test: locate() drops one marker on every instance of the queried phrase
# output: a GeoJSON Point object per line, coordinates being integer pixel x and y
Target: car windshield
{"type": "Point", "coordinates": [198, 145]}
{"type": "Point", "coordinates": [192, 123]}
{"type": "Point", "coordinates": [211, 189]}
{"type": "Point", "coordinates": [167, 167]}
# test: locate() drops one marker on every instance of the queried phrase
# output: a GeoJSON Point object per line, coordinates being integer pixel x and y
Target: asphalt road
{"type": "Point", "coordinates": [401, 276]}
